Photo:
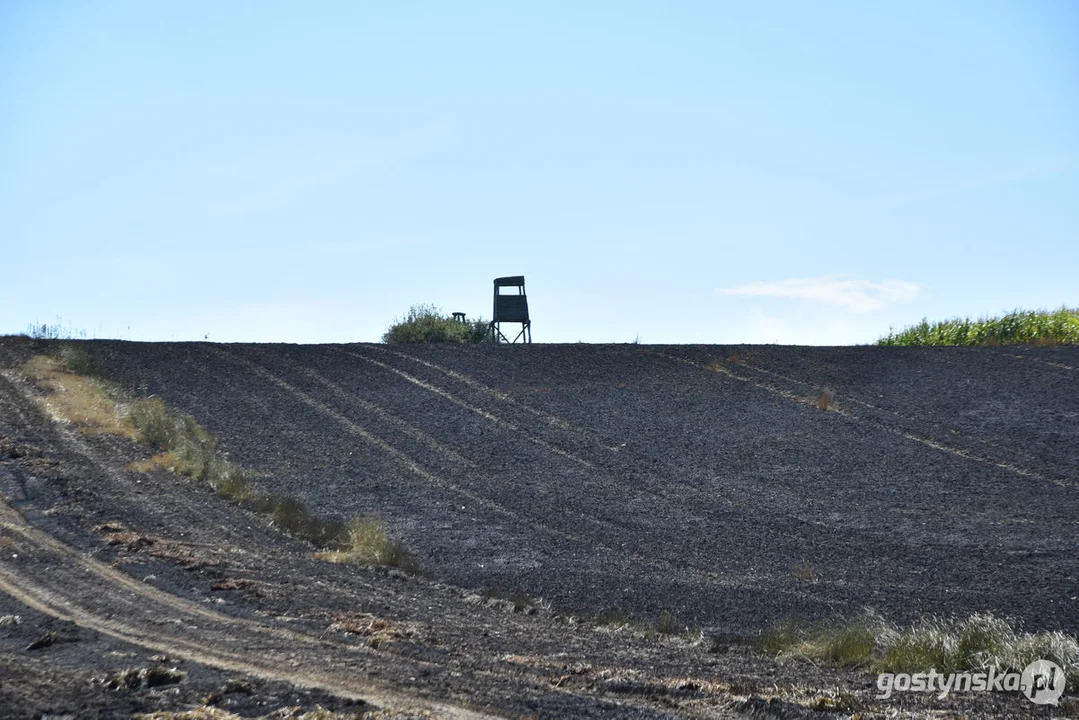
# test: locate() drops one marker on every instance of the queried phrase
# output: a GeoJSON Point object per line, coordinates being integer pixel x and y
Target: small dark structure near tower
{"type": "Point", "coordinates": [511, 307]}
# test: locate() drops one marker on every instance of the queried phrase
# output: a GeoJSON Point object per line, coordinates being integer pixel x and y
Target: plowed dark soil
{"type": "Point", "coordinates": [711, 483]}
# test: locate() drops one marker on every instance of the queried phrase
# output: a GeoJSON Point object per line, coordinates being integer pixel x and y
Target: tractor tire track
{"type": "Point", "coordinates": [548, 418]}
{"type": "Point", "coordinates": [928, 441]}
{"type": "Point", "coordinates": [87, 592]}
{"type": "Point", "coordinates": [119, 606]}
{"type": "Point", "coordinates": [691, 499]}
{"type": "Point", "coordinates": [403, 459]}
{"type": "Point", "coordinates": [619, 478]}
{"type": "Point", "coordinates": [701, 578]}
{"type": "Point", "coordinates": [846, 397]}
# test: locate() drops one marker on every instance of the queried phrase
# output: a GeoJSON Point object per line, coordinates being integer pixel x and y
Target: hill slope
{"type": "Point", "coordinates": [716, 484]}
{"type": "Point", "coordinates": [700, 480]}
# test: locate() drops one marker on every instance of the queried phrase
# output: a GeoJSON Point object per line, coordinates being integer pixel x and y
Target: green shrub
{"type": "Point", "coordinates": [427, 324]}
{"type": "Point", "coordinates": [1021, 327]}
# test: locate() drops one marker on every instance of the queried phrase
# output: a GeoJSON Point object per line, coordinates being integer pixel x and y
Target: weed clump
{"type": "Point", "coordinates": [368, 542]}
{"type": "Point", "coordinates": [187, 447]}
{"type": "Point", "coordinates": [54, 331]}
{"type": "Point", "coordinates": [972, 644]}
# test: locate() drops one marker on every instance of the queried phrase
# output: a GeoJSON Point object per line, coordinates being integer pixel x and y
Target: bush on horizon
{"type": "Point", "coordinates": [427, 324]}
{"type": "Point", "coordinates": [1020, 327]}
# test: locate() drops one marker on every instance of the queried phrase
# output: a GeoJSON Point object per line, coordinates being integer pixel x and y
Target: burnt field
{"type": "Point", "coordinates": [732, 487]}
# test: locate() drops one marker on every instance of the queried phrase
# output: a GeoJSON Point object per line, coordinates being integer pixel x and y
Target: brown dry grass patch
{"type": "Point", "coordinates": [164, 461]}
{"type": "Point", "coordinates": [378, 631]}
{"type": "Point", "coordinates": [76, 399]}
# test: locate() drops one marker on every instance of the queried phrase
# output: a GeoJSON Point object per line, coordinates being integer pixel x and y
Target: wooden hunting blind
{"type": "Point", "coordinates": [510, 306]}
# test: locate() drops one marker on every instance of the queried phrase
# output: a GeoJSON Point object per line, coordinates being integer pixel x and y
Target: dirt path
{"type": "Point", "coordinates": [91, 594]}
{"type": "Point", "coordinates": [77, 588]}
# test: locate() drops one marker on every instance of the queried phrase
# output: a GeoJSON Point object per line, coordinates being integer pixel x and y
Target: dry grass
{"type": "Point", "coordinates": [161, 461]}
{"type": "Point", "coordinates": [205, 712]}
{"type": "Point", "coordinates": [209, 712]}
{"type": "Point", "coordinates": [75, 399]}
{"type": "Point", "coordinates": [513, 602]}
{"type": "Point", "coordinates": [377, 632]}
{"type": "Point", "coordinates": [616, 620]}
{"type": "Point", "coordinates": [135, 678]}
{"type": "Point", "coordinates": [368, 542]}
{"type": "Point", "coordinates": [824, 400]}
{"type": "Point", "coordinates": [804, 571]}
{"type": "Point", "coordinates": [186, 448]}
{"type": "Point", "coordinates": [974, 643]}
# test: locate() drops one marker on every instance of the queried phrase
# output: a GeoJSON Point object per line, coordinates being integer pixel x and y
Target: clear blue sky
{"type": "Point", "coordinates": [804, 172]}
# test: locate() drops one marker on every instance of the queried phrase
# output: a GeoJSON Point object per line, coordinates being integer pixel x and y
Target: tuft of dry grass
{"type": "Point", "coordinates": [163, 461]}
{"type": "Point", "coordinates": [666, 624]}
{"type": "Point", "coordinates": [804, 571]}
{"type": "Point", "coordinates": [513, 602]}
{"type": "Point", "coordinates": [135, 678]}
{"type": "Point", "coordinates": [368, 542]}
{"type": "Point", "coordinates": [377, 632]}
{"type": "Point", "coordinates": [824, 400]}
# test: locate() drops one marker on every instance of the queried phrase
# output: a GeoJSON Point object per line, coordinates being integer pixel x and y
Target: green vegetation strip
{"type": "Point", "coordinates": [1022, 327]}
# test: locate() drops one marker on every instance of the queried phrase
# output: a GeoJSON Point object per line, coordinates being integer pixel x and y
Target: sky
{"type": "Point", "coordinates": [663, 172]}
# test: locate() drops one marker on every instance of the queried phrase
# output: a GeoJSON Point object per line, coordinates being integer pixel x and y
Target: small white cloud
{"type": "Point", "coordinates": [855, 295]}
